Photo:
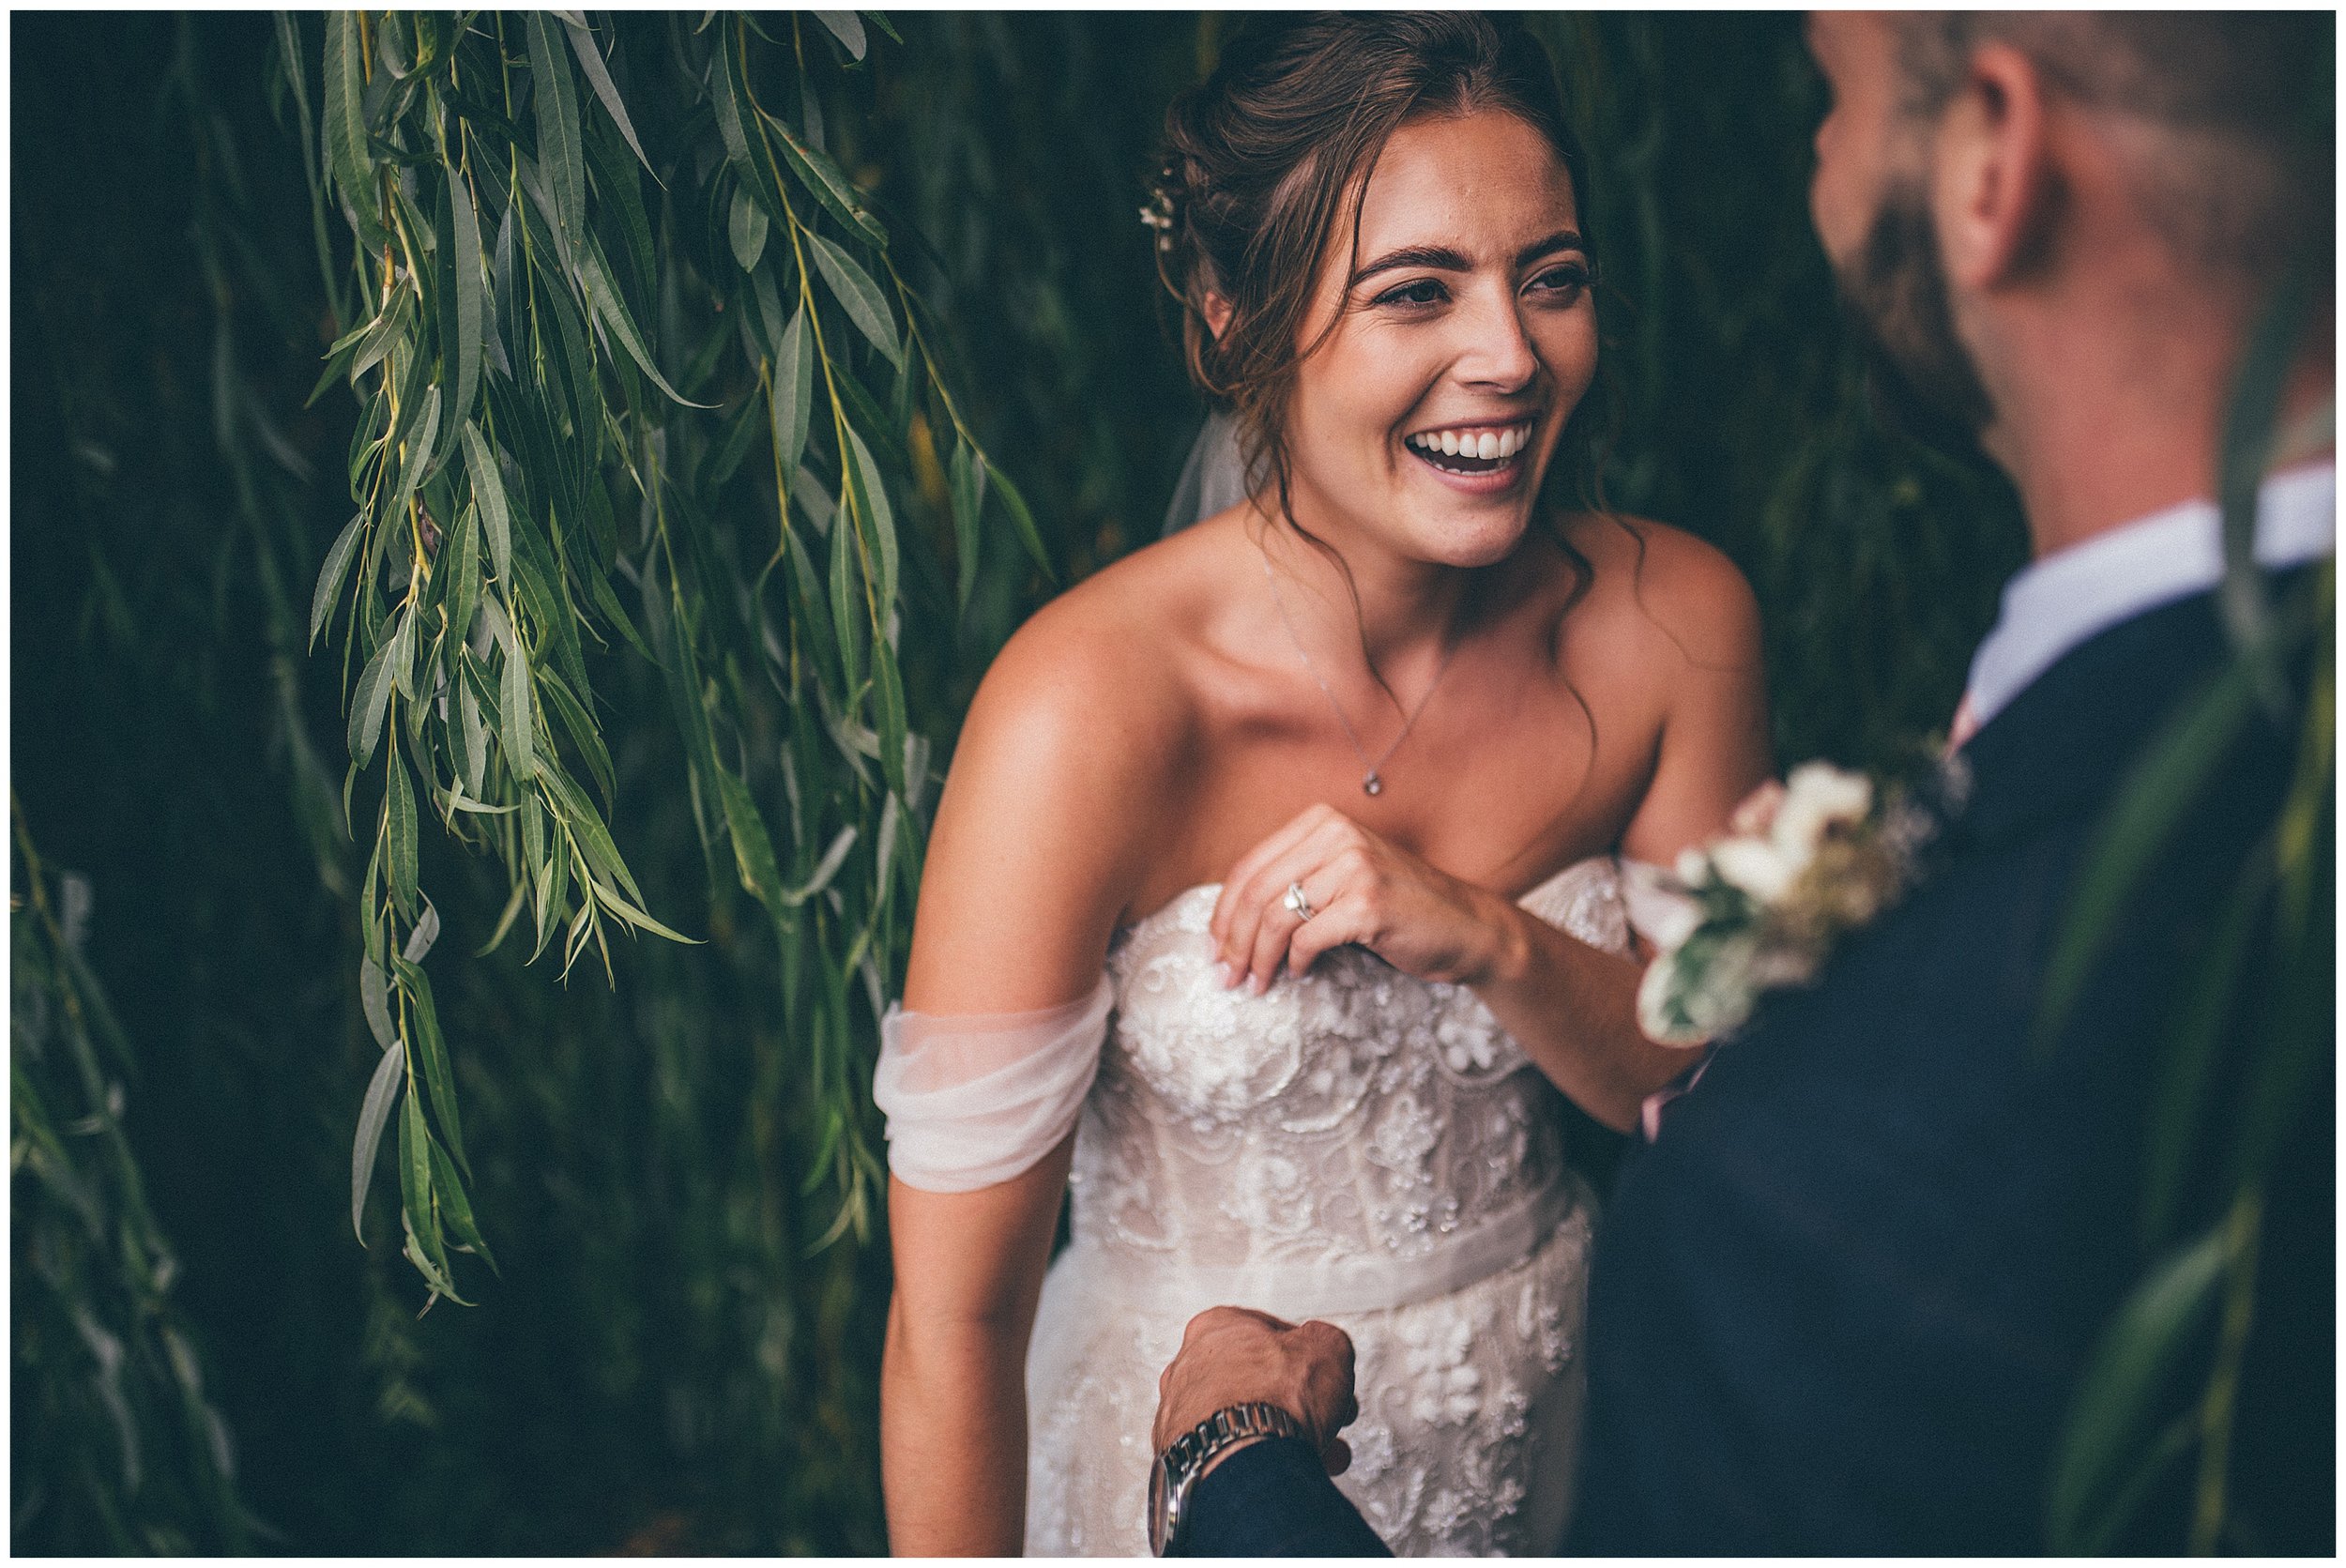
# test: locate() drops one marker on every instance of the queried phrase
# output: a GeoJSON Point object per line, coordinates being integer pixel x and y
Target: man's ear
{"type": "Point", "coordinates": [1217, 314]}
{"type": "Point", "coordinates": [1994, 185]}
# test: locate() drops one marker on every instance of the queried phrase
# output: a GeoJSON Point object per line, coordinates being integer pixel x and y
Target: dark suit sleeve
{"type": "Point", "coordinates": [1274, 1500]}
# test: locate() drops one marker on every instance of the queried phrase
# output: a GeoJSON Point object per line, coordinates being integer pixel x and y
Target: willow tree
{"type": "Point", "coordinates": [568, 344]}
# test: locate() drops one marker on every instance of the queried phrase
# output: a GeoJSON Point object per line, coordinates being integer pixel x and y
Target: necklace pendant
{"type": "Point", "coordinates": [1372, 785]}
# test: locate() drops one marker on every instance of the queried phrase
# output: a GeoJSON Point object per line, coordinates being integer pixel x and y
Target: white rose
{"type": "Point", "coordinates": [1817, 796]}
{"type": "Point", "coordinates": [1658, 910]}
{"type": "Point", "coordinates": [1758, 866]}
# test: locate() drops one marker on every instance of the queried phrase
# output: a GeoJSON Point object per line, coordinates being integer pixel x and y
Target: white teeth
{"type": "Point", "coordinates": [1486, 446]}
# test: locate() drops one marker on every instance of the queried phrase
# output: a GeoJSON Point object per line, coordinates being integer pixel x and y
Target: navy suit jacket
{"type": "Point", "coordinates": [1841, 1304]}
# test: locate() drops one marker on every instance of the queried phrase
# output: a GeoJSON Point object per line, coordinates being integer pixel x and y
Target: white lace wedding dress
{"type": "Point", "coordinates": [1356, 1146]}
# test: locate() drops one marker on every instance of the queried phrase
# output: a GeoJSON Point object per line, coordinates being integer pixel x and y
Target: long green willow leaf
{"type": "Point", "coordinates": [793, 394]}
{"type": "Point", "coordinates": [613, 310]}
{"type": "Point", "coordinates": [463, 267]}
{"type": "Point", "coordinates": [369, 701]}
{"type": "Point", "coordinates": [561, 158]}
{"type": "Point", "coordinates": [822, 178]}
{"type": "Point", "coordinates": [345, 125]}
{"type": "Point", "coordinates": [599, 78]}
{"type": "Point", "coordinates": [866, 306]}
{"type": "Point", "coordinates": [487, 487]}
{"type": "Point", "coordinates": [332, 574]}
{"type": "Point", "coordinates": [847, 27]}
{"type": "Point", "coordinates": [2121, 1382]}
{"type": "Point", "coordinates": [373, 1111]}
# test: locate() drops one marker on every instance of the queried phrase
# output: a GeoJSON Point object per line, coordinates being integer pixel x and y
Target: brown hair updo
{"type": "Point", "coordinates": [1260, 156]}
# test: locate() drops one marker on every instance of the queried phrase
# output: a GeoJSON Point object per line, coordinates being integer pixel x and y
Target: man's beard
{"type": "Point", "coordinates": [1923, 381]}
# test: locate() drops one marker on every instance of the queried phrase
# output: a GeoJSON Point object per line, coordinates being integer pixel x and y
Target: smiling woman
{"type": "Point", "coordinates": [1323, 800]}
{"type": "Point", "coordinates": [1470, 330]}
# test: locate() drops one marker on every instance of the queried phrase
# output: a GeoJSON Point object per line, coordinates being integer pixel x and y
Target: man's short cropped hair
{"type": "Point", "coordinates": [2240, 168]}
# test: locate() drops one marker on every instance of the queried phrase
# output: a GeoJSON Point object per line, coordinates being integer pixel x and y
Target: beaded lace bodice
{"type": "Point", "coordinates": [1351, 1114]}
{"type": "Point", "coordinates": [1354, 1144]}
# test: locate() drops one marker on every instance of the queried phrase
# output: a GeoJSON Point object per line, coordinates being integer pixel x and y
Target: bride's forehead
{"type": "Point", "coordinates": [1488, 177]}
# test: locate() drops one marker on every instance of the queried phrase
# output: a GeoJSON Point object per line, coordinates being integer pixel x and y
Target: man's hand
{"type": "Point", "coordinates": [1230, 1355]}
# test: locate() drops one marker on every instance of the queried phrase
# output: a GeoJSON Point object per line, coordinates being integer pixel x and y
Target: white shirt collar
{"type": "Point", "coordinates": [2052, 605]}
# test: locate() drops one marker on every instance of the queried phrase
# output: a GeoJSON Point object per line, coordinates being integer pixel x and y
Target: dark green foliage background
{"type": "Point", "coordinates": [659, 1364]}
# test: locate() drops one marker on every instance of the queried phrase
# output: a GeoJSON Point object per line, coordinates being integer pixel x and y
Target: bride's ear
{"type": "Point", "coordinates": [1216, 311]}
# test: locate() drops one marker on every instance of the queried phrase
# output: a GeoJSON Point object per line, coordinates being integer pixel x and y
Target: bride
{"type": "Point", "coordinates": [1276, 853]}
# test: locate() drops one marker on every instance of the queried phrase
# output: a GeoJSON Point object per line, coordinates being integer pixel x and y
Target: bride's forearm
{"type": "Point", "coordinates": [1573, 1009]}
{"type": "Point", "coordinates": [953, 1439]}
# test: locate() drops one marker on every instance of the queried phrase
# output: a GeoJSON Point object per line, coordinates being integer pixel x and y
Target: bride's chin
{"type": "Point", "coordinates": [1469, 543]}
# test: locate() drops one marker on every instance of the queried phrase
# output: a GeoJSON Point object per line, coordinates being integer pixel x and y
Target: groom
{"type": "Point", "coordinates": [1840, 1303]}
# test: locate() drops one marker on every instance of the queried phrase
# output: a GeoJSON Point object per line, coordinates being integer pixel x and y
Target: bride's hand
{"type": "Point", "coordinates": [1360, 888]}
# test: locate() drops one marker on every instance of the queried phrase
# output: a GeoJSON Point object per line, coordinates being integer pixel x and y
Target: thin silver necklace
{"type": "Point", "coordinates": [1372, 779]}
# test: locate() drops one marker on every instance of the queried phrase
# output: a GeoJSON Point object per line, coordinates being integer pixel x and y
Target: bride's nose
{"type": "Point", "coordinates": [1494, 351]}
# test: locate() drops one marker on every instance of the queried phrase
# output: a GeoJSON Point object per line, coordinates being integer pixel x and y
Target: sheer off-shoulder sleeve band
{"type": "Point", "coordinates": [976, 1098]}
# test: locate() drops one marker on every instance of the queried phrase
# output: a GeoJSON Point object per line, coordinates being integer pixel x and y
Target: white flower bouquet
{"type": "Point", "coordinates": [1807, 860]}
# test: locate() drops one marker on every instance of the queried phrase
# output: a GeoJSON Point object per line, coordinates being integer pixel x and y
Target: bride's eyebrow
{"type": "Point", "coordinates": [1562, 239]}
{"type": "Point", "coordinates": [1440, 258]}
{"type": "Point", "coordinates": [1444, 258]}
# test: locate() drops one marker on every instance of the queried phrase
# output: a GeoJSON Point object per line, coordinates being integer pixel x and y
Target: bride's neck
{"type": "Point", "coordinates": [1344, 591]}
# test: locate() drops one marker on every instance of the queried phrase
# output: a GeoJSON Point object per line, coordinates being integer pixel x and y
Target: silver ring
{"type": "Point", "coordinates": [1295, 904]}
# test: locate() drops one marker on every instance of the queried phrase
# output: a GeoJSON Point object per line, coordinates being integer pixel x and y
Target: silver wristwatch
{"type": "Point", "coordinates": [1177, 1469]}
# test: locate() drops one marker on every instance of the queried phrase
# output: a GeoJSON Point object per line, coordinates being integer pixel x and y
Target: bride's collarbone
{"type": "Point", "coordinates": [1512, 773]}
{"type": "Point", "coordinates": [1463, 827]}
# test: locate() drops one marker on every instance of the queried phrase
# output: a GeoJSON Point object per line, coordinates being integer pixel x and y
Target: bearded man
{"type": "Point", "coordinates": [1843, 1301]}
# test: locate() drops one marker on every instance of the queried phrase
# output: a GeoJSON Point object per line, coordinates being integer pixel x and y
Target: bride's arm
{"type": "Point", "coordinates": [952, 1378]}
{"type": "Point", "coordinates": [1019, 895]}
{"type": "Point", "coordinates": [1572, 1008]}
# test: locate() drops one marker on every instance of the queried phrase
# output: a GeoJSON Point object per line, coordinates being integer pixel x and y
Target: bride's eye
{"type": "Point", "coordinates": [1424, 291]}
{"type": "Point", "coordinates": [1564, 284]}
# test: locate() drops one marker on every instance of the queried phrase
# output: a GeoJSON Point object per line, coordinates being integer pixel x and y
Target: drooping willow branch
{"type": "Point", "coordinates": [566, 338]}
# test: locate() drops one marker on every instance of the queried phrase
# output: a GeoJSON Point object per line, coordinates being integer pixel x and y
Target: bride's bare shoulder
{"type": "Point", "coordinates": [1060, 786]}
{"type": "Point", "coordinates": [1098, 686]}
{"type": "Point", "coordinates": [1651, 583]}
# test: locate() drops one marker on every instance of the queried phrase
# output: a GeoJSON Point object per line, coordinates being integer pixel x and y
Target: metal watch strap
{"type": "Point", "coordinates": [1185, 1458]}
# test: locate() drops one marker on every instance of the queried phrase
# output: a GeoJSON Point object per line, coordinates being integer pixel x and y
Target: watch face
{"type": "Point", "coordinates": [1157, 1499]}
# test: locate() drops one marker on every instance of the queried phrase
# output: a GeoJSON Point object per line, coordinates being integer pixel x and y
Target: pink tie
{"type": "Point", "coordinates": [1963, 726]}
{"type": "Point", "coordinates": [1650, 1112]}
